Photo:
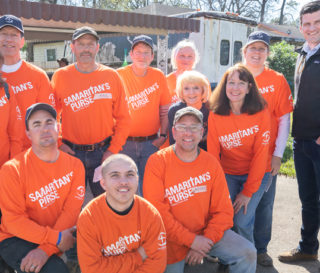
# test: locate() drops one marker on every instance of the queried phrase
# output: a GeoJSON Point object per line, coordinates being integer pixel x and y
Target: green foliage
{"type": "Point", "coordinates": [287, 166]}
{"type": "Point", "coordinates": [283, 59]}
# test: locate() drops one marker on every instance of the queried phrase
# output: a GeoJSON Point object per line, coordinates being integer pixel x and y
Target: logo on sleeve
{"type": "Point", "coordinates": [266, 138]}
{"type": "Point", "coordinates": [162, 242]}
{"type": "Point", "coordinates": [80, 193]}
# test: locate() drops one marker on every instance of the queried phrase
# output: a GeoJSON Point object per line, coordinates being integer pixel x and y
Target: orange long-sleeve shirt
{"type": "Point", "coordinates": [11, 127]}
{"type": "Point", "coordinates": [192, 198]}
{"type": "Point", "coordinates": [92, 106]}
{"type": "Point", "coordinates": [30, 84]}
{"type": "Point", "coordinates": [172, 82]}
{"type": "Point", "coordinates": [108, 242]}
{"type": "Point", "coordinates": [38, 199]}
{"type": "Point", "coordinates": [144, 95]}
{"type": "Point", "coordinates": [243, 142]}
{"type": "Point", "coordinates": [276, 91]}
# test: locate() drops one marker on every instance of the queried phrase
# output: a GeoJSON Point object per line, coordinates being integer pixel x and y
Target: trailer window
{"type": "Point", "coordinates": [237, 52]}
{"type": "Point", "coordinates": [224, 52]}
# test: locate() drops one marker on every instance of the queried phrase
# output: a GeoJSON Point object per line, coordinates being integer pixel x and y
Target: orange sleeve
{"type": "Point", "coordinates": [122, 119]}
{"type": "Point", "coordinates": [15, 127]}
{"type": "Point", "coordinates": [213, 144]}
{"type": "Point", "coordinates": [153, 191]}
{"type": "Point", "coordinates": [45, 93]}
{"type": "Point", "coordinates": [71, 209]}
{"type": "Point", "coordinates": [165, 93]}
{"type": "Point", "coordinates": [284, 103]}
{"type": "Point", "coordinates": [13, 207]}
{"type": "Point", "coordinates": [221, 210]}
{"type": "Point", "coordinates": [89, 250]}
{"type": "Point", "coordinates": [258, 163]}
{"type": "Point", "coordinates": [157, 258]}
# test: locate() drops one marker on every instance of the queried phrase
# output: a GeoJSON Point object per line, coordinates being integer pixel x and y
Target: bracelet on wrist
{"type": "Point", "coordinates": [59, 238]}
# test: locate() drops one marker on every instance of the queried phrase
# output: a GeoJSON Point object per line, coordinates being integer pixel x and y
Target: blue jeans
{"type": "Point", "coordinates": [91, 160]}
{"type": "Point", "coordinates": [263, 218]}
{"type": "Point", "coordinates": [14, 249]}
{"type": "Point", "coordinates": [139, 152]}
{"type": "Point", "coordinates": [244, 223]}
{"type": "Point", "coordinates": [233, 250]}
{"type": "Point", "coordinates": [306, 154]}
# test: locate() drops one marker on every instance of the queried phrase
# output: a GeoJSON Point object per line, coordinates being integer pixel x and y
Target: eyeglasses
{"type": "Point", "coordinates": [183, 128]}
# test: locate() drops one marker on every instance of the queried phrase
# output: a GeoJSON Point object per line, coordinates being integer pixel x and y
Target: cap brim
{"type": "Point", "coordinates": [255, 41]}
{"type": "Point", "coordinates": [9, 25]}
{"type": "Point", "coordinates": [80, 35]}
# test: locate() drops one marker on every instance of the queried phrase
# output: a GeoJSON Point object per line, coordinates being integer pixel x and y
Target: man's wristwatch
{"type": "Point", "coordinates": [164, 135]}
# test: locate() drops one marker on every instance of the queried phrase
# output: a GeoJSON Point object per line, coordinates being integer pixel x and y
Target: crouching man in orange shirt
{"type": "Point", "coordinates": [119, 231]}
{"type": "Point", "coordinates": [41, 193]}
{"type": "Point", "coordinates": [188, 187]}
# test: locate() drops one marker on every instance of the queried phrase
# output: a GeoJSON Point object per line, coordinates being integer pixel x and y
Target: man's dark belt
{"type": "Point", "coordinates": [89, 147]}
{"type": "Point", "coordinates": [142, 138]}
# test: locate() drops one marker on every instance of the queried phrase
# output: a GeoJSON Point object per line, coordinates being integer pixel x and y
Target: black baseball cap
{"type": "Point", "coordinates": [188, 111]}
{"type": "Point", "coordinates": [12, 21]}
{"type": "Point", "coordinates": [258, 36]}
{"type": "Point", "coordinates": [39, 106]}
{"type": "Point", "coordinates": [142, 39]}
{"type": "Point", "coordinates": [79, 32]}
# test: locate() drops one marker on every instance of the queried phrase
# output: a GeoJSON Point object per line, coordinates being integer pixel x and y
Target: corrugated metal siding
{"type": "Point", "coordinates": [43, 11]}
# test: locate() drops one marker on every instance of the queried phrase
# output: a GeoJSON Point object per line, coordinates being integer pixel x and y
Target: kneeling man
{"type": "Point", "coordinates": [188, 187]}
{"type": "Point", "coordinates": [119, 231]}
{"type": "Point", "coordinates": [41, 193]}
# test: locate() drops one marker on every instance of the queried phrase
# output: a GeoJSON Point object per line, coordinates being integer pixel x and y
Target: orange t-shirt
{"type": "Point", "coordinates": [276, 91]}
{"type": "Point", "coordinates": [30, 84]}
{"type": "Point", "coordinates": [243, 142]}
{"type": "Point", "coordinates": [38, 199]}
{"type": "Point", "coordinates": [92, 106]}
{"type": "Point", "coordinates": [172, 82]}
{"type": "Point", "coordinates": [144, 95]}
{"type": "Point", "coordinates": [108, 242]}
{"type": "Point", "coordinates": [11, 127]}
{"type": "Point", "coordinates": [192, 198]}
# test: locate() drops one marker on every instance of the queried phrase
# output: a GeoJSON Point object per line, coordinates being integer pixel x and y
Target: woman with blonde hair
{"type": "Point", "coordinates": [184, 57]}
{"type": "Point", "coordinates": [193, 90]}
{"type": "Point", "coordinates": [238, 136]}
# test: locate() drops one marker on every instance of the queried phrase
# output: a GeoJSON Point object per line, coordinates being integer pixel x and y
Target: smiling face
{"type": "Point", "coordinates": [256, 54]}
{"type": "Point", "coordinates": [142, 56]}
{"type": "Point", "coordinates": [187, 133]}
{"type": "Point", "coordinates": [120, 181]}
{"type": "Point", "coordinates": [236, 89]}
{"type": "Point", "coordinates": [185, 59]}
{"type": "Point", "coordinates": [310, 28]}
{"type": "Point", "coordinates": [192, 94]}
{"type": "Point", "coordinates": [11, 42]}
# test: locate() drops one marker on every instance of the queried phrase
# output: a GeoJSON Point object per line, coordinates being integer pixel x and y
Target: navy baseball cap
{"type": "Point", "coordinates": [142, 39]}
{"type": "Point", "coordinates": [39, 106]}
{"type": "Point", "coordinates": [12, 21]}
{"type": "Point", "coordinates": [79, 32]}
{"type": "Point", "coordinates": [258, 36]}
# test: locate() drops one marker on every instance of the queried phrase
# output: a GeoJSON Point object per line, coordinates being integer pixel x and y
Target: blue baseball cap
{"type": "Point", "coordinates": [12, 21]}
{"type": "Point", "coordinates": [258, 36]}
{"type": "Point", "coordinates": [39, 106]}
{"type": "Point", "coordinates": [142, 39]}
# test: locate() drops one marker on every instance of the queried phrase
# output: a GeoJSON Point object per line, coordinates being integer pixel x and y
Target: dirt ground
{"type": "Point", "coordinates": [285, 233]}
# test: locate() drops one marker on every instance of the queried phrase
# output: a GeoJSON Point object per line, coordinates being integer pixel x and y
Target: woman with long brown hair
{"type": "Point", "coordinates": [238, 136]}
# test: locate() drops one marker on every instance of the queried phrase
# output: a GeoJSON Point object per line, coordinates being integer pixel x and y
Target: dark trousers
{"type": "Point", "coordinates": [307, 163]}
{"type": "Point", "coordinates": [14, 249]}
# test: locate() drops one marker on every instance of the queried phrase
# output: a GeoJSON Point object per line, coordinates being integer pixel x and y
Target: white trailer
{"type": "Point", "coordinates": [219, 41]}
